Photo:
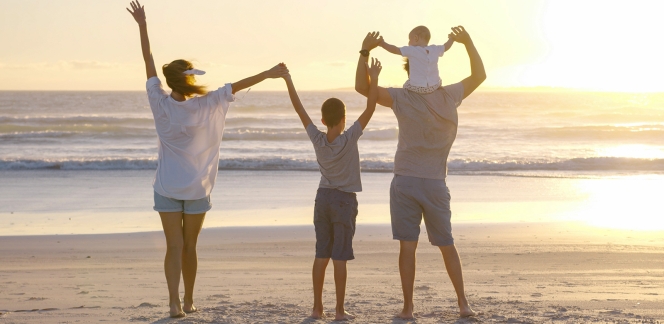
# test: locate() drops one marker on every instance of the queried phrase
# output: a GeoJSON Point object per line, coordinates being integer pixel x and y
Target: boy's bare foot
{"type": "Point", "coordinates": [345, 316]}
{"type": "Point", "coordinates": [317, 314]}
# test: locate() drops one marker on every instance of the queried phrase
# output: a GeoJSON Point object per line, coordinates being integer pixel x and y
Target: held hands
{"type": "Point", "coordinates": [278, 71]}
{"type": "Point", "coordinates": [138, 13]}
{"type": "Point", "coordinates": [372, 40]}
{"type": "Point", "coordinates": [459, 34]}
{"type": "Point", "coordinates": [374, 69]}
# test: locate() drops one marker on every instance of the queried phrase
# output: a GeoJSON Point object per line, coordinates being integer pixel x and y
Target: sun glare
{"type": "Point", "coordinates": [629, 203]}
{"type": "Point", "coordinates": [638, 151]}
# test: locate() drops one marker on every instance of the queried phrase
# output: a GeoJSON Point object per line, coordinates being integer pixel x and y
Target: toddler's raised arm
{"type": "Point", "coordinates": [449, 43]}
{"type": "Point", "coordinates": [389, 47]}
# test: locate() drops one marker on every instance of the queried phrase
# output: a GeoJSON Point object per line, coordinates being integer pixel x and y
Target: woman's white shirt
{"type": "Point", "coordinates": [423, 64]}
{"type": "Point", "coordinates": [189, 134]}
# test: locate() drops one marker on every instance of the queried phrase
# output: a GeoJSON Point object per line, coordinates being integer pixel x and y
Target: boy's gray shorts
{"type": "Point", "coordinates": [410, 199]}
{"type": "Point", "coordinates": [190, 207]}
{"type": "Point", "coordinates": [334, 220]}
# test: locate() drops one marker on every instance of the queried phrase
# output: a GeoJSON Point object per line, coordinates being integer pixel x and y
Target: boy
{"type": "Point", "coordinates": [421, 60]}
{"type": "Point", "coordinates": [336, 204]}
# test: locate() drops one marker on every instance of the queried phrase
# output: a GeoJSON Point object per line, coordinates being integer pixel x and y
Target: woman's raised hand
{"type": "Point", "coordinates": [278, 71]}
{"type": "Point", "coordinates": [138, 12]}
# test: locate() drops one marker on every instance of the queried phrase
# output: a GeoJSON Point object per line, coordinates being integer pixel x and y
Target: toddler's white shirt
{"type": "Point", "coordinates": [423, 63]}
{"type": "Point", "coordinates": [189, 138]}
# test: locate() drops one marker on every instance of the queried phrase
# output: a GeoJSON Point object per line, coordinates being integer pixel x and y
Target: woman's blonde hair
{"type": "Point", "coordinates": [180, 82]}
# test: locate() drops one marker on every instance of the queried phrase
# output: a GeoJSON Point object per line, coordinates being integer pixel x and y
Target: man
{"type": "Point", "coordinates": [427, 130]}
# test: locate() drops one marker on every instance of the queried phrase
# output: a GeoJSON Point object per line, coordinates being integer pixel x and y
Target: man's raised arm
{"type": "Point", "coordinates": [362, 77]}
{"type": "Point", "coordinates": [477, 73]}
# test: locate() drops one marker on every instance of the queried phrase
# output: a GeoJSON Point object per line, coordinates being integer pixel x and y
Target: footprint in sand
{"type": "Point", "coordinates": [536, 295]}
{"type": "Point", "coordinates": [37, 298]}
{"type": "Point", "coordinates": [148, 305]}
{"type": "Point", "coordinates": [422, 288]}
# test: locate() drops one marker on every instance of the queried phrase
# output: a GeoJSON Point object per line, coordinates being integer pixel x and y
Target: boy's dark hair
{"type": "Point", "coordinates": [333, 110]}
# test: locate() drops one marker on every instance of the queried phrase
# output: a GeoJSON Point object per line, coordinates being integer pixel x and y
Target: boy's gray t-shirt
{"type": "Point", "coordinates": [339, 161]}
{"type": "Point", "coordinates": [427, 130]}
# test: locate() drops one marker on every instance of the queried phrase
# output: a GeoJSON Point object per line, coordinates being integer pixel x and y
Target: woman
{"type": "Point", "coordinates": [190, 130]}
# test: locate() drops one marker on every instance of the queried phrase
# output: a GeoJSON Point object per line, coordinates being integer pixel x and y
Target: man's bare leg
{"type": "Point", "coordinates": [407, 272]}
{"type": "Point", "coordinates": [340, 275]}
{"type": "Point", "coordinates": [453, 266]}
{"type": "Point", "coordinates": [318, 276]}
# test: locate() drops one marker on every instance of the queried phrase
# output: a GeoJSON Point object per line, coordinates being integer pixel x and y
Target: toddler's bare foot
{"type": "Point", "coordinates": [345, 316]}
{"type": "Point", "coordinates": [317, 313]}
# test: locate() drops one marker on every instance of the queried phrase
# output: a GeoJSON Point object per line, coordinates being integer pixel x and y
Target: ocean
{"type": "Point", "coordinates": [512, 133]}
{"type": "Point", "coordinates": [83, 162]}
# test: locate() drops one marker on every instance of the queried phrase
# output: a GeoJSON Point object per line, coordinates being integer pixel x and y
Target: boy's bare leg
{"type": "Point", "coordinates": [340, 275]}
{"type": "Point", "coordinates": [318, 276]}
{"type": "Point", "coordinates": [192, 225]}
{"type": "Point", "coordinates": [407, 272]}
{"type": "Point", "coordinates": [453, 266]}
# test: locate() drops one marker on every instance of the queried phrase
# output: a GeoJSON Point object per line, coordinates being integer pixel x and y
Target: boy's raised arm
{"type": "Point", "coordinates": [139, 15]}
{"type": "Point", "coordinates": [389, 47]}
{"type": "Point", "coordinates": [373, 71]}
{"type": "Point", "coordinates": [297, 104]}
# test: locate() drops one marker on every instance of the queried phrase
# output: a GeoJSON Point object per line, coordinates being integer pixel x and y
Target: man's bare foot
{"type": "Point", "coordinates": [191, 309]}
{"type": "Point", "coordinates": [345, 316]}
{"type": "Point", "coordinates": [317, 314]}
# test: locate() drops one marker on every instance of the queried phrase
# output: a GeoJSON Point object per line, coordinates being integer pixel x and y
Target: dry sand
{"type": "Point", "coordinates": [514, 273]}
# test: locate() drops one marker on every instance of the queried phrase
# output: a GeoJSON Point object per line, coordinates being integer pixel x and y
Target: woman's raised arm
{"type": "Point", "coordinates": [138, 12]}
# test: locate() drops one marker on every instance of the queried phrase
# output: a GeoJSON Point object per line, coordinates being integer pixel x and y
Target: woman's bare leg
{"type": "Point", "coordinates": [192, 225]}
{"type": "Point", "coordinates": [172, 223]}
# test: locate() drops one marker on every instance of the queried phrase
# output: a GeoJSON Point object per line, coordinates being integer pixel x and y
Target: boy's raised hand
{"type": "Point", "coordinates": [374, 69]}
{"type": "Point", "coordinates": [138, 12]}
{"type": "Point", "coordinates": [278, 71]}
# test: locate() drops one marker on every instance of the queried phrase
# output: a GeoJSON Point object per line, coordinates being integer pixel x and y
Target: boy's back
{"type": "Point", "coordinates": [339, 161]}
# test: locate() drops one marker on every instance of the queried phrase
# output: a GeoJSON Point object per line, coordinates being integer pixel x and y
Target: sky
{"type": "Point", "coordinates": [94, 45]}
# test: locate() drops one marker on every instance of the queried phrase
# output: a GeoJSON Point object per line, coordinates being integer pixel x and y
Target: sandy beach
{"type": "Point", "coordinates": [514, 273]}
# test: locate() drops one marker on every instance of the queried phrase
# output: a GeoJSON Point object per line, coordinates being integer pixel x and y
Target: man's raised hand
{"type": "Point", "coordinates": [372, 40]}
{"type": "Point", "coordinates": [459, 34]}
{"type": "Point", "coordinates": [138, 12]}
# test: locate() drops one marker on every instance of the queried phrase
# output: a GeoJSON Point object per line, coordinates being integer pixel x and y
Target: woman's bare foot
{"type": "Point", "coordinates": [176, 309]}
{"type": "Point", "coordinates": [345, 316]}
{"type": "Point", "coordinates": [317, 313]}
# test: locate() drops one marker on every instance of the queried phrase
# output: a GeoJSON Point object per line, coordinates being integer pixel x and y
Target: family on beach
{"type": "Point", "coordinates": [190, 124]}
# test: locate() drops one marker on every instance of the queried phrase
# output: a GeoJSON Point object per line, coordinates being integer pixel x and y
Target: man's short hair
{"type": "Point", "coordinates": [333, 111]}
{"type": "Point", "coordinates": [423, 32]}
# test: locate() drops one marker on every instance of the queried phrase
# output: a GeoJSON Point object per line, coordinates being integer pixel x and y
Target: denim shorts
{"type": "Point", "coordinates": [334, 221]}
{"type": "Point", "coordinates": [413, 199]}
{"type": "Point", "coordinates": [191, 207]}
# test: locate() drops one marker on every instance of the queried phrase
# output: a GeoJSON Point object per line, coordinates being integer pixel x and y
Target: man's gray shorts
{"type": "Point", "coordinates": [410, 199]}
{"type": "Point", "coordinates": [334, 220]}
